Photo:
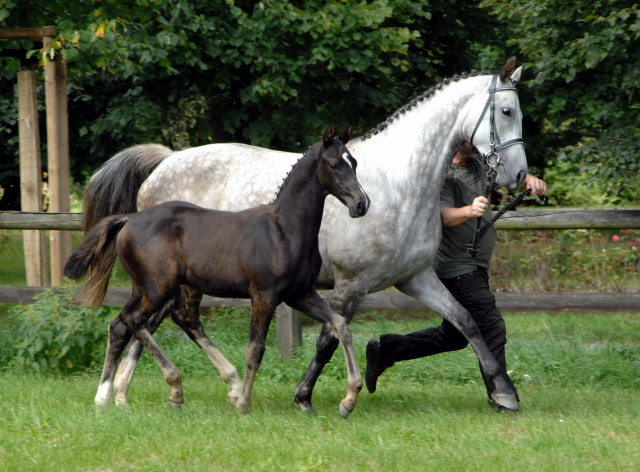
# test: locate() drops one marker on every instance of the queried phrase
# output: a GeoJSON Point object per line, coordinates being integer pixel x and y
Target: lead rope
{"type": "Point", "coordinates": [472, 248]}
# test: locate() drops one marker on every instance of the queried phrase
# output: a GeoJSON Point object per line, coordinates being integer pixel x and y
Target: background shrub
{"type": "Point", "coordinates": [55, 334]}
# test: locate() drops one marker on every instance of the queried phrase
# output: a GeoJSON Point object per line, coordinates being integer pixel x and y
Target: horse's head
{"type": "Point", "coordinates": [337, 172]}
{"type": "Point", "coordinates": [497, 129]}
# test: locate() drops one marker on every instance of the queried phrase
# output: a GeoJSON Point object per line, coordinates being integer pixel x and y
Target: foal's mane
{"type": "Point", "coordinates": [426, 95]}
{"type": "Point", "coordinates": [285, 179]}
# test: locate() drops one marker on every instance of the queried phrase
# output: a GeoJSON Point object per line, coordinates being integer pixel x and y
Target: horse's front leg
{"type": "Point", "coordinates": [427, 288]}
{"type": "Point", "coordinates": [129, 362]}
{"type": "Point", "coordinates": [346, 299]}
{"type": "Point", "coordinates": [262, 310]}
{"type": "Point", "coordinates": [119, 336]}
{"type": "Point", "coordinates": [315, 307]}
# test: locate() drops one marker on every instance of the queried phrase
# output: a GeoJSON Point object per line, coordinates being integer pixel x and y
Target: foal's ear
{"type": "Point", "coordinates": [329, 135]}
{"type": "Point", "coordinates": [346, 135]}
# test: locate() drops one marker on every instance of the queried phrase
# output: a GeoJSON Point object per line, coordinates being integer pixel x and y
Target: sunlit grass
{"type": "Point", "coordinates": [578, 377]}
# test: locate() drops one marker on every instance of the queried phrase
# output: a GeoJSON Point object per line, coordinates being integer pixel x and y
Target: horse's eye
{"type": "Point", "coordinates": [506, 111]}
{"type": "Point", "coordinates": [333, 166]}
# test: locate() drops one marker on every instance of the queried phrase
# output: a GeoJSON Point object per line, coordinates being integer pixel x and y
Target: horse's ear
{"type": "Point", "coordinates": [508, 69]}
{"type": "Point", "coordinates": [515, 77]}
{"type": "Point", "coordinates": [329, 134]}
{"type": "Point", "coordinates": [346, 135]}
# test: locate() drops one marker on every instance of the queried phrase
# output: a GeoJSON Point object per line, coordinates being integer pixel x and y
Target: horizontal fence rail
{"type": "Point", "coordinates": [393, 300]}
{"type": "Point", "coordinates": [512, 220]}
{"type": "Point", "coordinates": [288, 321]}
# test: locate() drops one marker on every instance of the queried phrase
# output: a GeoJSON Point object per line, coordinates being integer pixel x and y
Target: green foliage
{"type": "Point", "coordinates": [271, 73]}
{"type": "Point", "coordinates": [581, 91]}
{"type": "Point", "coordinates": [578, 260]}
{"type": "Point", "coordinates": [55, 334]}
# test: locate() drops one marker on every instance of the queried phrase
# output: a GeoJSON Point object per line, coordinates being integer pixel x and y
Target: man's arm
{"type": "Point", "coordinates": [452, 216]}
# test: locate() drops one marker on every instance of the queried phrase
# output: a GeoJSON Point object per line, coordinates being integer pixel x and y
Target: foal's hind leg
{"type": "Point", "coordinates": [186, 315]}
{"type": "Point", "coordinates": [129, 362]}
{"type": "Point", "coordinates": [313, 305]}
{"type": "Point", "coordinates": [119, 336]}
{"type": "Point", "coordinates": [135, 318]}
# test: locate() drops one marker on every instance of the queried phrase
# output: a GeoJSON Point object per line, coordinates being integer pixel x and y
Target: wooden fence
{"type": "Point", "coordinates": [288, 322]}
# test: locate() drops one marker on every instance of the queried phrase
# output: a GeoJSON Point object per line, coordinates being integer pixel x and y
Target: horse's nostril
{"type": "Point", "coordinates": [521, 176]}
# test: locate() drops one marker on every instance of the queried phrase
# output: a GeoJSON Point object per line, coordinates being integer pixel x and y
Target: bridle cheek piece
{"type": "Point", "coordinates": [494, 140]}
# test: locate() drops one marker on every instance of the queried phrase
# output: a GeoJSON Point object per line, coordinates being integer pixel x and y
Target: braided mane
{"type": "Point", "coordinates": [420, 98]}
{"type": "Point", "coordinates": [286, 177]}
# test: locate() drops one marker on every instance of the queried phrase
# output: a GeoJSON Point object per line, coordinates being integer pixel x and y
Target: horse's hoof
{"type": "Point", "coordinates": [232, 399]}
{"type": "Point", "coordinates": [243, 409]}
{"type": "Point", "coordinates": [304, 404]}
{"type": "Point", "coordinates": [176, 404]}
{"type": "Point", "coordinates": [504, 401]}
{"type": "Point", "coordinates": [344, 411]}
{"type": "Point", "coordinates": [121, 401]}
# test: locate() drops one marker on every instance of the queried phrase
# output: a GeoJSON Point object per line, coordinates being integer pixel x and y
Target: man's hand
{"type": "Point", "coordinates": [478, 207]}
{"type": "Point", "coordinates": [537, 186]}
{"type": "Point", "coordinates": [452, 216]}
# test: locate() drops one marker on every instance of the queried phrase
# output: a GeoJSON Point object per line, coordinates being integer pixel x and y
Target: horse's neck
{"type": "Point", "coordinates": [414, 152]}
{"type": "Point", "coordinates": [300, 202]}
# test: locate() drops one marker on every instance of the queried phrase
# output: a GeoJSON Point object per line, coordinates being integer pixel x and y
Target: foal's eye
{"type": "Point", "coordinates": [506, 111]}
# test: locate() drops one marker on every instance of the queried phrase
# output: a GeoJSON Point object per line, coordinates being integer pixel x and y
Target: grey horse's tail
{"type": "Point", "coordinates": [113, 189]}
{"type": "Point", "coordinates": [98, 253]}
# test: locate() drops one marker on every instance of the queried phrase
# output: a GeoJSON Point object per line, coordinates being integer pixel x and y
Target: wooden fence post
{"type": "Point", "coordinates": [289, 330]}
{"type": "Point", "coordinates": [55, 75]}
{"type": "Point", "coordinates": [31, 177]}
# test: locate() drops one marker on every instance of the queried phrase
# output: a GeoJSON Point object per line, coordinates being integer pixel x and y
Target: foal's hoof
{"type": "Point", "coordinates": [344, 411]}
{"type": "Point", "coordinates": [504, 401]}
{"type": "Point", "coordinates": [176, 406]}
{"type": "Point", "coordinates": [233, 399]}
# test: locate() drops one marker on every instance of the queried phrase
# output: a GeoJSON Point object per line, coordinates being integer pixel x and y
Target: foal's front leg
{"type": "Point", "coordinates": [261, 314]}
{"type": "Point", "coordinates": [315, 307]}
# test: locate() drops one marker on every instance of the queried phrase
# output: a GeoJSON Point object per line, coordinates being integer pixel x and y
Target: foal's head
{"type": "Point", "coordinates": [337, 172]}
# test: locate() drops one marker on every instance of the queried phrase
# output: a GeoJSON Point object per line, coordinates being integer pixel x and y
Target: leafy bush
{"type": "Point", "coordinates": [55, 334]}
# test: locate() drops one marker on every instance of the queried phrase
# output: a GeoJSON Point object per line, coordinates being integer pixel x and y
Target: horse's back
{"type": "Point", "coordinates": [229, 176]}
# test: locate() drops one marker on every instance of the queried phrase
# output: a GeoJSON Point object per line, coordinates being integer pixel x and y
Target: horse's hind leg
{"type": "Point", "coordinates": [313, 306]}
{"type": "Point", "coordinates": [187, 316]}
{"type": "Point", "coordinates": [135, 318]}
{"type": "Point", "coordinates": [129, 362]}
{"type": "Point", "coordinates": [119, 336]}
{"type": "Point", "coordinates": [345, 301]}
{"type": "Point", "coordinates": [427, 288]}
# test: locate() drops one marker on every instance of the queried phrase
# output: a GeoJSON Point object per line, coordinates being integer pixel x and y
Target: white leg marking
{"type": "Point", "coordinates": [103, 396]}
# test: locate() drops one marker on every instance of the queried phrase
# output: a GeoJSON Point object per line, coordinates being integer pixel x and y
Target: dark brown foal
{"type": "Point", "coordinates": [177, 251]}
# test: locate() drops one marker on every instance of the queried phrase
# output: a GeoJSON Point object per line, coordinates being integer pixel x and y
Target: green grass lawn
{"type": "Point", "coordinates": [578, 376]}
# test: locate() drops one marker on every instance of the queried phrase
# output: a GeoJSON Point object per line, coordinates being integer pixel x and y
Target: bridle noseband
{"type": "Point", "coordinates": [494, 140]}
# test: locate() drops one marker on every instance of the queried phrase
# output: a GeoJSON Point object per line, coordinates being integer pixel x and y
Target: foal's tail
{"type": "Point", "coordinates": [98, 253]}
{"type": "Point", "coordinates": [113, 189]}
